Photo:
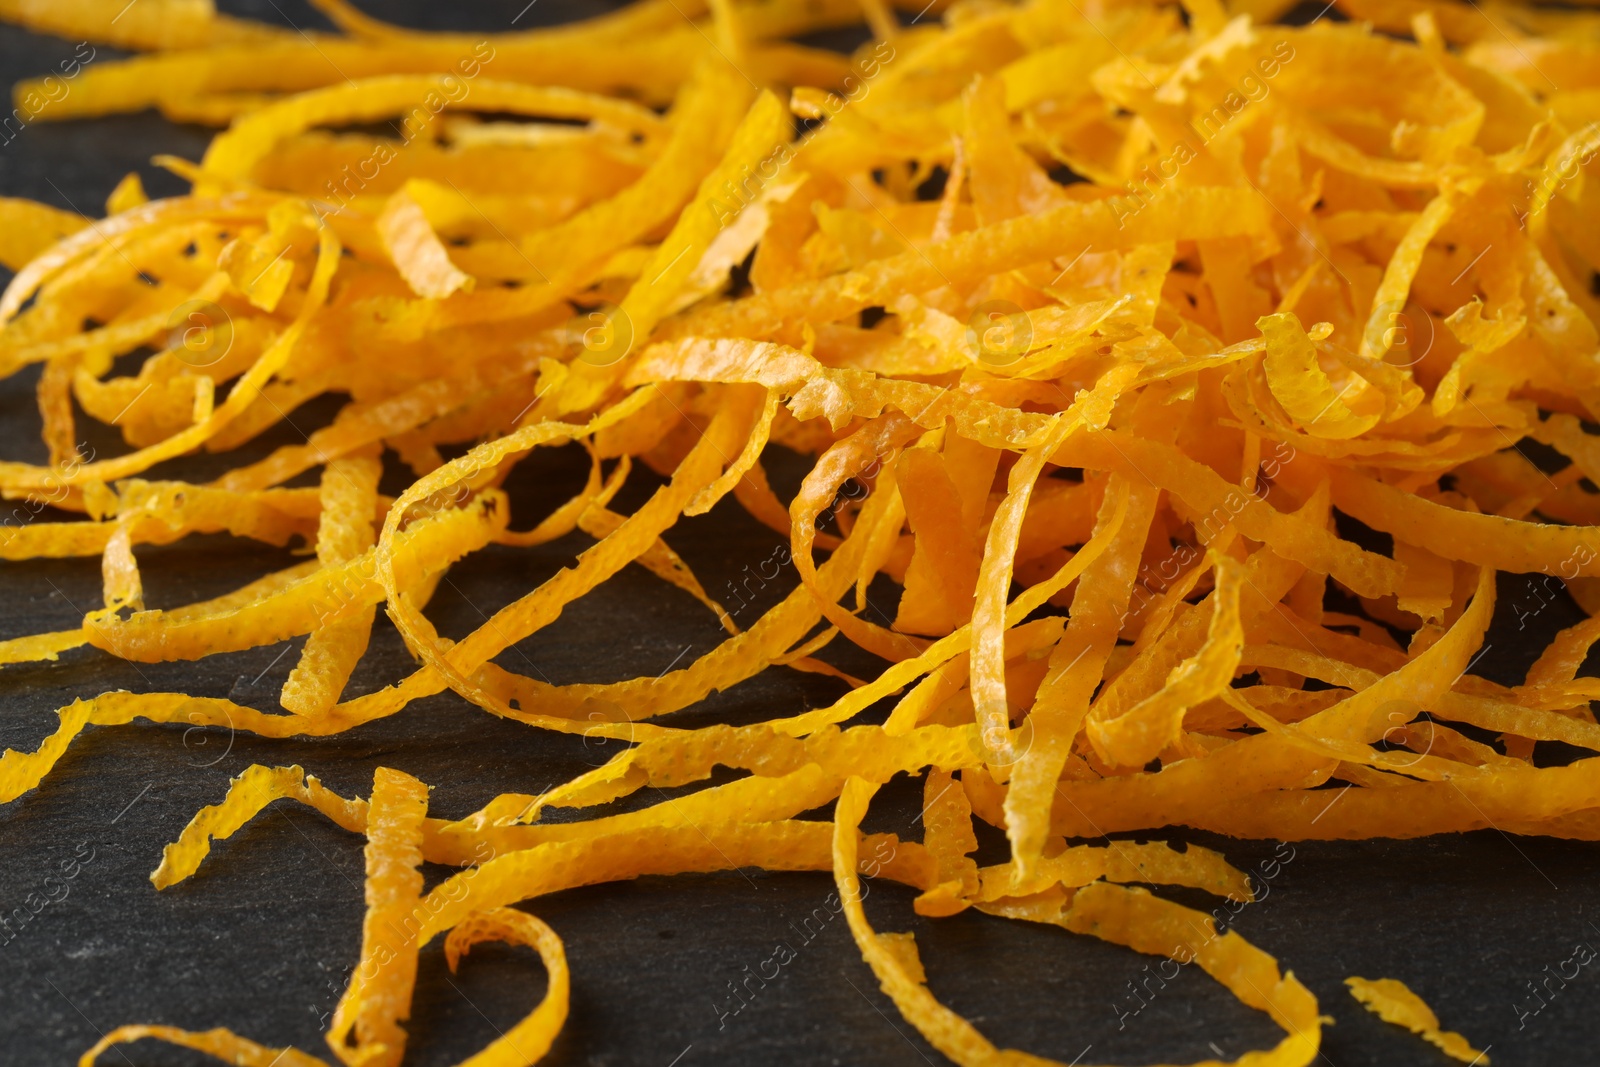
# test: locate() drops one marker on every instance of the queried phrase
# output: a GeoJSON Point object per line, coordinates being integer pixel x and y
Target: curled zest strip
{"type": "Point", "coordinates": [529, 1039]}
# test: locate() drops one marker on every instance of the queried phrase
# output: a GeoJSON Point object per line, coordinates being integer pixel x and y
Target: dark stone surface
{"type": "Point", "coordinates": [263, 938]}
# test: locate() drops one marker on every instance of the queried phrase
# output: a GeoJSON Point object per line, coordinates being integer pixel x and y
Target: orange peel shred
{"type": "Point", "coordinates": [1393, 1001]}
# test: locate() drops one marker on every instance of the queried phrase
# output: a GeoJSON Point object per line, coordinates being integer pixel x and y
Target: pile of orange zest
{"type": "Point", "coordinates": [1098, 330]}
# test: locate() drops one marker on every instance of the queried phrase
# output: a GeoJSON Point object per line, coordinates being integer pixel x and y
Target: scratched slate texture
{"type": "Point", "coordinates": [263, 938]}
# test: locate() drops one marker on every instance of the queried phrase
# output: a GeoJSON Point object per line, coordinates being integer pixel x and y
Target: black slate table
{"type": "Point", "coordinates": [263, 938]}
